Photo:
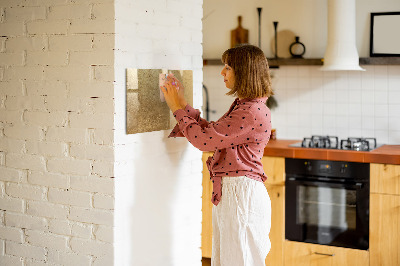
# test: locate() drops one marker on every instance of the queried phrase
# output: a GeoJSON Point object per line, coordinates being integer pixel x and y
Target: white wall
{"type": "Point", "coordinates": [305, 18]}
{"type": "Point", "coordinates": [63, 140]}
{"type": "Point", "coordinates": [158, 180]}
{"type": "Point", "coordinates": [56, 132]}
{"type": "Point", "coordinates": [345, 103]}
{"type": "Point", "coordinates": [311, 102]}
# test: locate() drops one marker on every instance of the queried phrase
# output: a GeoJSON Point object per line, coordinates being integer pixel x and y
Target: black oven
{"type": "Point", "coordinates": [327, 202]}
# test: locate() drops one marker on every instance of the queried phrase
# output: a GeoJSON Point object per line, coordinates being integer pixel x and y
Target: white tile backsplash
{"type": "Point", "coordinates": [343, 103]}
{"type": "Point", "coordinates": [394, 137]}
{"type": "Point", "coordinates": [380, 71]}
{"type": "Point", "coordinates": [394, 96]}
{"type": "Point", "coordinates": [354, 80]}
{"type": "Point", "coordinates": [367, 110]}
{"type": "Point", "coordinates": [292, 82]}
{"type": "Point", "coordinates": [393, 71]}
{"type": "Point", "coordinates": [394, 82]}
{"type": "Point", "coordinates": [329, 109]}
{"type": "Point", "coordinates": [394, 123]}
{"type": "Point", "coordinates": [342, 109]}
{"type": "Point", "coordinates": [381, 97]}
{"type": "Point", "coordinates": [367, 123]}
{"type": "Point", "coordinates": [367, 97]}
{"type": "Point", "coordinates": [381, 110]}
{"type": "Point", "coordinates": [381, 83]}
{"type": "Point", "coordinates": [304, 82]}
{"type": "Point", "coordinates": [393, 110]}
{"type": "Point", "coordinates": [342, 123]}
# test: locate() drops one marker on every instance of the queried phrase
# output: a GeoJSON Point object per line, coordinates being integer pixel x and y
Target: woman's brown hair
{"type": "Point", "coordinates": [250, 66]}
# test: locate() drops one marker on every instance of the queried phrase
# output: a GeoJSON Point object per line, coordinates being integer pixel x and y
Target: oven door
{"type": "Point", "coordinates": [327, 213]}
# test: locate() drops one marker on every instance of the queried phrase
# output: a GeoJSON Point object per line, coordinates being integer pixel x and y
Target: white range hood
{"type": "Point", "coordinates": [341, 51]}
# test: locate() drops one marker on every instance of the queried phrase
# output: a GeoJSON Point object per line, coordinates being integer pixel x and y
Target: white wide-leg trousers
{"type": "Point", "coordinates": [241, 223]}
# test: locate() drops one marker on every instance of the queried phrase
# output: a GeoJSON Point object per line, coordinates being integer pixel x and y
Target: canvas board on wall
{"type": "Point", "coordinates": [146, 110]}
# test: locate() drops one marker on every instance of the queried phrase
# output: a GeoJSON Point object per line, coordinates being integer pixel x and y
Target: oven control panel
{"type": "Point", "coordinates": [338, 169]}
{"type": "Point", "coordinates": [325, 167]}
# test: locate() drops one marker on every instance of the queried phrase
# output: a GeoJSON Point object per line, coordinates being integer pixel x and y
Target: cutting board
{"type": "Point", "coordinates": [239, 35]}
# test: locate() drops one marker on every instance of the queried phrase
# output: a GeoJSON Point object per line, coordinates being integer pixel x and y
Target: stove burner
{"type": "Point", "coordinates": [332, 142]}
{"type": "Point", "coordinates": [328, 142]}
{"type": "Point", "coordinates": [358, 144]}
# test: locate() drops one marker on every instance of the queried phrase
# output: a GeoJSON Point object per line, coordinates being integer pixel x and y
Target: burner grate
{"type": "Point", "coordinates": [327, 142]}
{"type": "Point", "coordinates": [358, 144]}
{"type": "Point", "coordinates": [332, 142]}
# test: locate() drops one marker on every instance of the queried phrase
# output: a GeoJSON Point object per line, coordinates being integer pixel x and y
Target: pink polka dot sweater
{"type": "Point", "coordinates": [238, 139]}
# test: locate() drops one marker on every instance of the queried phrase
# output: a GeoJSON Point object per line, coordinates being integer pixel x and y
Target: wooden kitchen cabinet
{"type": "Point", "coordinates": [384, 236]}
{"type": "Point", "coordinates": [274, 168]}
{"type": "Point", "coordinates": [305, 254]}
{"type": "Point", "coordinates": [206, 225]}
{"type": "Point", "coordinates": [385, 178]}
{"type": "Point", "coordinates": [277, 233]}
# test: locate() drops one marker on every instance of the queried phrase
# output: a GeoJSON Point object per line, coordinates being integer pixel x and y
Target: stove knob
{"type": "Point", "coordinates": [343, 168]}
{"type": "Point", "coordinates": [308, 166]}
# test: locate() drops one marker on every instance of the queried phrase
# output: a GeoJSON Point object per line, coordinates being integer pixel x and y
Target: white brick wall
{"type": "Point", "coordinates": [25, 251]}
{"type": "Point", "coordinates": [56, 132]}
{"type": "Point", "coordinates": [155, 180]}
{"type": "Point", "coordinates": [68, 258]}
{"type": "Point", "coordinates": [62, 139]}
{"type": "Point", "coordinates": [25, 221]}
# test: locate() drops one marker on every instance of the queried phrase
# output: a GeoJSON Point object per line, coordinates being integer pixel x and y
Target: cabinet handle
{"type": "Point", "coordinates": [324, 254]}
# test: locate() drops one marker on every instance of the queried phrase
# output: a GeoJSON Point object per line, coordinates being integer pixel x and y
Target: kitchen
{"type": "Point", "coordinates": [314, 103]}
{"type": "Point", "coordinates": [76, 189]}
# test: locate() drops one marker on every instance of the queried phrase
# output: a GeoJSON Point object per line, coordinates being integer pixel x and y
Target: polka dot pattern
{"type": "Point", "coordinates": [238, 139]}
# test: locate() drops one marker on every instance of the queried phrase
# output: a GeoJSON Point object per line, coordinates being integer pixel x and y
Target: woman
{"type": "Point", "coordinates": [242, 208]}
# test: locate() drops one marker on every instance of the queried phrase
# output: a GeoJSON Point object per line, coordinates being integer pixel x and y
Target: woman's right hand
{"type": "Point", "coordinates": [181, 91]}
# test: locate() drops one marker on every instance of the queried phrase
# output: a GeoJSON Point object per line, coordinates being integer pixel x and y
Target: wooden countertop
{"type": "Point", "coordinates": [389, 154]}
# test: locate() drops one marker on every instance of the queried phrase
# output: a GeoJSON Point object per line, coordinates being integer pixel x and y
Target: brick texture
{"type": "Point", "coordinates": [47, 210]}
{"type": "Point", "coordinates": [47, 240]}
{"type": "Point", "coordinates": [12, 234]}
{"type": "Point", "coordinates": [62, 119]}
{"type": "Point", "coordinates": [94, 216]}
{"type": "Point", "coordinates": [24, 221]}
{"type": "Point", "coordinates": [54, 126]}
{"type": "Point", "coordinates": [25, 250]}
{"type": "Point", "coordinates": [68, 258]}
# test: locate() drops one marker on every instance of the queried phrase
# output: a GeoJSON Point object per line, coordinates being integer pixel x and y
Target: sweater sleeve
{"type": "Point", "coordinates": [229, 131]}
{"type": "Point", "coordinates": [193, 113]}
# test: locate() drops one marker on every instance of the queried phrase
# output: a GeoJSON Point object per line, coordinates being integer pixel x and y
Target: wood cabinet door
{"type": "Point", "coordinates": [206, 225]}
{"type": "Point", "coordinates": [385, 178]}
{"type": "Point", "coordinates": [274, 168]}
{"type": "Point", "coordinates": [384, 236]}
{"type": "Point", "coordinates": [305, 254]}
{"type": "Point", "coordinates": [277, 233]}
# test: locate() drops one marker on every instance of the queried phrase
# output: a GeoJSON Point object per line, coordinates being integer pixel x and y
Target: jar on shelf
{"type": "Point", "coordinates": [297, 49]}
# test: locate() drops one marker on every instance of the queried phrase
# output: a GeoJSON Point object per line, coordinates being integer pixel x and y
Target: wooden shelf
{"type": "Point", "coordinates": [274, 63]}
{"type": "Point", "coordinates": [380, 61]}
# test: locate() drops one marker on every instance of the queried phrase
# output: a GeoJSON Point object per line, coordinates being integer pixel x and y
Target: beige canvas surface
{"type": "Point", "coordinates": [145, 109]}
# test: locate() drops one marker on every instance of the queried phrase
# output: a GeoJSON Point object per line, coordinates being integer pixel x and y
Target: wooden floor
{"type": "Point", "coordinates": [206, 261]}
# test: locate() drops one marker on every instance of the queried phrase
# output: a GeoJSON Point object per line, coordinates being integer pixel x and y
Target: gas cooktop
{"type": "Point", "coordinates": [332, 142]}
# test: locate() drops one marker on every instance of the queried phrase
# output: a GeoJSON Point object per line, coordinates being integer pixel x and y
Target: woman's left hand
{"type": "Point", "coordinates": [171, 94]}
